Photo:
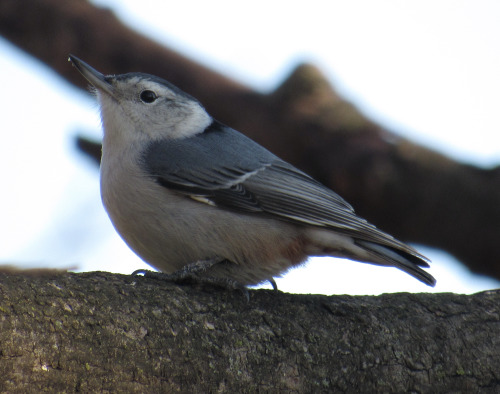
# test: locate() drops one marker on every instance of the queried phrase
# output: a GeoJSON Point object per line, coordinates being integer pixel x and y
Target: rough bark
{"type": "Point", "coordinates": [414, 193]}
{"type": "Point", "coordinates": [105, 332]}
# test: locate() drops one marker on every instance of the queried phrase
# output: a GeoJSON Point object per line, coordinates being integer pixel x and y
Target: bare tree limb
{"type": "Point", "coordinates": [410, 191]}
{"type": "Point", "coordinates": [113, 333]}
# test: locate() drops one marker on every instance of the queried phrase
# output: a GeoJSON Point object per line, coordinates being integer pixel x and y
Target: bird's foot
{"type": "Point", "coordinates": [273, 284]}
{"type": "Point", "coordinates": [191, 273]}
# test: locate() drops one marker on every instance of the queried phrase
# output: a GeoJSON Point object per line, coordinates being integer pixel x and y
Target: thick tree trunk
{"type": "Point", "coordinates": [104, 332]}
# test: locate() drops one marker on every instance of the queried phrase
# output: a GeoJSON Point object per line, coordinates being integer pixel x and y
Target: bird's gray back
{"type": "Point", "coordinates": [217, 158]}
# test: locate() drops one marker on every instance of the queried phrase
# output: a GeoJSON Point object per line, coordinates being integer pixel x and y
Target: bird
{"type": "Point", "coordinates": [192, 196]}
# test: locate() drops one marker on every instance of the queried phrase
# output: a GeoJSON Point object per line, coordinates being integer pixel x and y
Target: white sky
{"type": "Point", "coordinates": [428, 70]}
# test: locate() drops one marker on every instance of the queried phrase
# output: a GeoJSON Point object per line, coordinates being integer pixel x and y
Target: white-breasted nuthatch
{"type": "Point", "coordinates": [181, 187]}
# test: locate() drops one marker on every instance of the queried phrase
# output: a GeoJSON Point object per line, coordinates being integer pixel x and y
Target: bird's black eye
{"type": "Point", "coordinates": [148, 96]}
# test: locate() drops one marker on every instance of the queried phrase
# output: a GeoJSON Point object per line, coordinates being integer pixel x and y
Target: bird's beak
{"type": "Point", "coordinates": [98, 80]}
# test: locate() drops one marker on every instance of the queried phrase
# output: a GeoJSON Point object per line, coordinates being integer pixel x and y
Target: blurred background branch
{"type": "Point", "coordinates": [415, 193]}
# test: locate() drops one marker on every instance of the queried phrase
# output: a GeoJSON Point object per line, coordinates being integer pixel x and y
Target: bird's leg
{"type": "Point", "coordinates": [187, 272]}
{"type": "Point", "coordinates": [191, 272]}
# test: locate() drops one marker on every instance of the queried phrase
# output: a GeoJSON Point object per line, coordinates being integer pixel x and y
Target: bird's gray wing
{"type": "Point", "coordinates": [232, 171]}
{"type": "Point", "coordinates": [227, 168]}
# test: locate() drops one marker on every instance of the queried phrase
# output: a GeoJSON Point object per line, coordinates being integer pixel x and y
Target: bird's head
{"type": "Point", "coordinates": [138, 106]}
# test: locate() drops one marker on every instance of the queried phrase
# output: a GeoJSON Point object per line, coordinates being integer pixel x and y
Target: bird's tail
{"type": "Point", "coordinates": [404, 260]}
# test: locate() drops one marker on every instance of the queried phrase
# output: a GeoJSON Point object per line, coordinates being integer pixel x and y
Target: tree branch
{"type": "Point", "coordinates": [96, 331]}
{"type": "Point", "coordinates": [410, 191]}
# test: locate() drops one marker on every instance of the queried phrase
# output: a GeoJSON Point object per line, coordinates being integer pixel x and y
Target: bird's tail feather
{"type": "Point", "coordinates": [405, 261]}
